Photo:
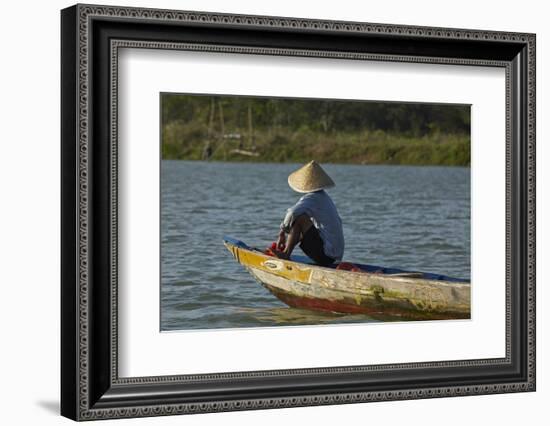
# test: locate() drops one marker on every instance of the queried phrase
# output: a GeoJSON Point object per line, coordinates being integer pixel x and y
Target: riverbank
{"type": "Point", "coordinates": [183, 142]}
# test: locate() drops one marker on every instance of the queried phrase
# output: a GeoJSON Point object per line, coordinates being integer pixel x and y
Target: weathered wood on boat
{"type": "Point", "coordinates": [404, 294]}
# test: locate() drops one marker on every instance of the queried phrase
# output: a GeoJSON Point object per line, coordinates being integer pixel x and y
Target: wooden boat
{"type": "Point", "coordinates": [384, 293]}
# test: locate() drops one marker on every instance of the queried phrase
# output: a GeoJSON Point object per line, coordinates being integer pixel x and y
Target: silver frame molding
{"type": "Point", "coordinates": [91, 39]}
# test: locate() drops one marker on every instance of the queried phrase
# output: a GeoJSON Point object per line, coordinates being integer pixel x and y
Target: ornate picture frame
{"type": "Point", "coordinates": [90, 384]}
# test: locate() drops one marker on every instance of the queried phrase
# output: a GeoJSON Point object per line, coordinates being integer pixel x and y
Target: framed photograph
{"type": "Point", "coordinates": [263, 212]}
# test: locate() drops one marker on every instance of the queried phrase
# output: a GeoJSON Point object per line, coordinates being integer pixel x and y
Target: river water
{"type": "Point", "coordinates": [414, 218]}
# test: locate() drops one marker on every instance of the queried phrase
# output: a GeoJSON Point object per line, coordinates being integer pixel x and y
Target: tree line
{"type": "Point", "coordinates": [220, 125]}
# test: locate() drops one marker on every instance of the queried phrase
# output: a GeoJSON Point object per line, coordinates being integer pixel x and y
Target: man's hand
{"type": "Point", "coordinates": [281, 241]}
{"type": "Point", "coordinates": [281, 254]}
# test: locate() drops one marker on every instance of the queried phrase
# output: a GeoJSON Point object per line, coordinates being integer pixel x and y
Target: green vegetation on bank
{"type": "Point", "coordinates": [295, 130]}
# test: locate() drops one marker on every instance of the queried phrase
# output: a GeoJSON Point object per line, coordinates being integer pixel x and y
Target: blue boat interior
{"type": "Point", "coordinates": [366, 268]}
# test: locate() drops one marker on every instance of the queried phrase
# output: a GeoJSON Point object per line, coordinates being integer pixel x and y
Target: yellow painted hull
{"type": "Point", "coordinates": [378, 295]}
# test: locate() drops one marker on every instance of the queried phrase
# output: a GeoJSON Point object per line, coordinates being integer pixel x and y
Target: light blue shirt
{"type": "Point", "coordinates": [323, 214]}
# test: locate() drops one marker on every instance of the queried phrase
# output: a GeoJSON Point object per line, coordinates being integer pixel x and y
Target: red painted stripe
{"type": "Point", "coordinates": [349, 308]}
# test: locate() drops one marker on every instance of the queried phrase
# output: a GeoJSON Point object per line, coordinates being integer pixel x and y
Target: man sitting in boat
{"type": "Point", "coordinates": [313, 221]}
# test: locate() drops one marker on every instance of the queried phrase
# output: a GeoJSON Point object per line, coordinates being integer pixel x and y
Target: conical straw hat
{"type": "Point", "coordinates": [310, 178]}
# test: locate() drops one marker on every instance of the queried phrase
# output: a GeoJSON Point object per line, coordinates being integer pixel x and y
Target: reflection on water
{"type": "Point", "coordinates": [415, 218]}
{"type": "Point", "coordinates": [295, 316]}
